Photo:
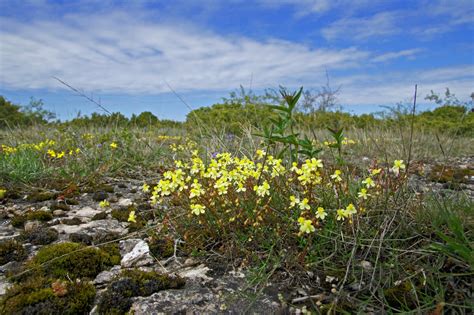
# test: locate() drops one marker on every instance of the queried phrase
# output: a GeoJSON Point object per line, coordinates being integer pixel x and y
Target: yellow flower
{"type": "Point", "coordinates": [294, 201]}
{"type": "Point", "coordinates": [306, 226]}
{"type": "Point", "coordinates": [397, 166]}
{"type": "Point", "coordinates": [51, 153]}
{"type": "Point", "coordinates": [113, 145]}
{"type": "Point", "coordinates": [2, 193]}
{"type": "Point", "coordinates": [131, 217]}
{"type": "Point", "coordinates": [260, 154]}
{"type": "Point", "coordinates": [350, 209]}
{"type": "Point", "coordinates": [60, 155]}
{"type": "Point", "coordinates": [341, 214]}
{"type": "Point", "coordinates": [336, 176]}
{"type": "Point", "coordinates": [321, 213]}
{"type": "Point", "coordinates": [375, 171]}
{"type": "Point", "coordinates": [368, 182]}
{"type": "Point", "coordinates": [104, 204]}
{"type": "Point", "coordinates": [146, 187]}
{"type": "Point", "coordinates": [262, 190]}
{"type": "Point", "coordinates": [363, 193]}
{"type": "Point", "coordinates": [304, 204]}
{"type": "Point", "coordinates": [198, 209]}
{"type": "Point", "coordinates": [196, 189]}
{"type": "Point", "coordinates": [241, 187]}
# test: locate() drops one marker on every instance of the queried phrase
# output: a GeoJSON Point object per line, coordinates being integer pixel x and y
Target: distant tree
{"type": "Point", "coordinates": [322, 99]}
{"type": "Point", "coordinates": [35, 111]}
{"type": "Point", "coordinates": [144, 119]}
{"type": "Point", "coordinates": [12, 115]}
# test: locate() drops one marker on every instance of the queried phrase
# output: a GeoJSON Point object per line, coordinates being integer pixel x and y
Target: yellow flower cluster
{"type": "Point", "coordinates": [61, 154]}
{"type": "Point", "coordinates": [230, 180]}
{"type": "Point", "coordinates": [345, 141]}
{"type": "Point", "coordinates": [187, 146]}
{"type": "Point", "coordinates": [169, 138]}
{"type": "Point", "coordinates": [45, 147]}
{"type": "Point", "coordinates": [25, 146]}
{"type": "Point", "coordinates": [7, 150]}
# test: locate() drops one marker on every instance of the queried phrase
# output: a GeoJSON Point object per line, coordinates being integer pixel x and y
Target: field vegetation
{"type": "Point", "coordinates": [285, 186]}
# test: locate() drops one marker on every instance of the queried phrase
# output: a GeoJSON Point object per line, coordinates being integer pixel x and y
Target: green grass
{"type": "Point", "coordinates": [419, 247]}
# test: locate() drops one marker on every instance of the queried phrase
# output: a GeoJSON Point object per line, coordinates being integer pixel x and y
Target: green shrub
{"type": "Point", "coordinates": [11, 250]}
{"type": "Point", "coordinates": [72, 260]}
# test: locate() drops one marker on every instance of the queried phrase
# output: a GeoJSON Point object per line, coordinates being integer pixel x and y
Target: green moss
{"type": "Point", "coordinates": [39, 215]}
{"type": "Point", "coordinates": [82, 238]}
{"type": "Point", "coordinates": [100, 216]}
{"type": "Point", "coordinates": [11, 250]}
{"type": "Point", "coordinates": [71, 221]}
{"type": "Point", "coordinates": [18, 221]}
{"type": "Point", "coordinates": [71, 201]}
{"type": "Point", "coordinates": [114, 252]}
{"type": "Point", "coordinates": [161, 247]}
{"type": "Point", "coordinates": [106, 188]}
{"type": "Point", "coordinates": [60, 206]}
{"type": "Point", "coordinates": [71, 260]}
{"type": "Point", "coordinates": [39, 236]}
{"type": "Point", "coordinates": [450, 174]}
{"type": "Point", "coordinates": [40, 296]}
{"type": "Point", "coordinates": [122, 214]}
{"type": "Point", "coordinates": [41, 196]}
{"type": "Point", "coordinates": [117, 299]}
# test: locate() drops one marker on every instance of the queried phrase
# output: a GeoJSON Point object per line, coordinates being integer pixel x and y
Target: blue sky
{"type": "Point", "coordinates": [127, 53]}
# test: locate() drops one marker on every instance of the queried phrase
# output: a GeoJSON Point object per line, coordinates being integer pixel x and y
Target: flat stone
{"type": "Point", "coordinates": [107, 276]}
{"type": "Point", "coordinates": [194, 273]}
{"type": "Point", "coordinates": [124, 202]}
{"type": "Point", "coordinates": [186, 301]}
{"type": "Point", "coordinates": [93, 228]}
{"type": "Point", "coordinates": [87, 212]}
{"type": "Point", "coordinates": [138, 256]}
{"type": "Point", "coordinates": [59, 213]}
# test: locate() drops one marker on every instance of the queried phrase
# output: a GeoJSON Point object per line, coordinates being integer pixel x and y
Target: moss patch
{"type": "Point", "coordinates": [161, 247]}
{"type": "Point", "coordinates": [18, 221]}
{"type": "Point", "coordinates": [40, 196]}
{"type": "Point", "coordinates": [71, 221]}
{"type": "Point", "coordinates": [450, 174]}
{"type": "Point", "coordinates": [60, 206]}
{"type": "Point", "coordinates": [71, 260]}
{"type": "Point", "coordinates": [39, 215]}
{"type": "Point", "coordinates": [122, 214]}
{"type": "Point", "coordinates": [117, 299]}
{"type": "Point", "coordinates": [80, 238]}
{"type": "Point", "coordinates": [100, 216]}
{"type": "Point", "coordinates": [11, 250]}
{"type": "Point", "coordinates": [40, 236]}
{"type": "Point", "coordinates": [46, 296]}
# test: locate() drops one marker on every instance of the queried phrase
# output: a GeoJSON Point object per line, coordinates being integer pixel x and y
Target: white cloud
{"type": "Point", "coordinates": [392, 87]}
{"type": "Point", "coordinates": [117, 53]}
{"type": "Point", "coordinates": [407, 53]}
{"type": "Point", "coordinates": [380, 24]}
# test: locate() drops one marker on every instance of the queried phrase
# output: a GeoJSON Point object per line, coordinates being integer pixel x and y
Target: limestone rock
{"type": "Point", "coordinates": [138, 256]}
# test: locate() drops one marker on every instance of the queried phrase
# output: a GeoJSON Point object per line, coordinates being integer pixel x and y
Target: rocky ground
{"type": "Point", "coordinates": [37, 219]}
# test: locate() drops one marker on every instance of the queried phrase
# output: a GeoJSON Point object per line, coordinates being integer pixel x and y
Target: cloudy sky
{"type": "Point", "coordinates": [128, 54]}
